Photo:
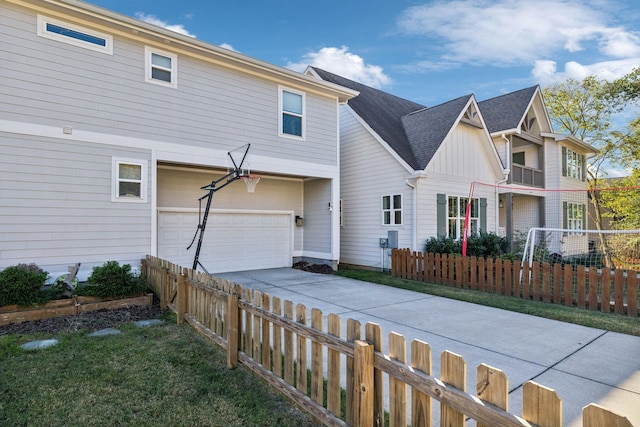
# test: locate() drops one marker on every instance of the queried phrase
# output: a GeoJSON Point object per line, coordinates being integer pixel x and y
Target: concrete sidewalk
{"type": "Point", "coordinates": [584, 365]}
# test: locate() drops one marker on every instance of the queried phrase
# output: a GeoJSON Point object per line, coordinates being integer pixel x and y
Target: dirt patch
{"type": "Point", "coordinates": [313, 268]}
{"type": "Point", "coordinates": [90, 321]}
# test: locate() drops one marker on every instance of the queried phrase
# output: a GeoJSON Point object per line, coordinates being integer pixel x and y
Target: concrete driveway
{"type": "Point", "coordinates": [584, 365]}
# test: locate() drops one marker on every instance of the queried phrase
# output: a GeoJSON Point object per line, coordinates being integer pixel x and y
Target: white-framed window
{"type": "Point", "coordinates": [292, 122]}
{"type": "Point", "coordinates": [129, 180]}
{"type": "Point", "coordinates": [392, 209]}
{"type": "Point", "coordinates": [161, 67]}
{"type": "Point", "coordinates": [75, 35]}
{"type": "Point", "coordinates": [575, 216]}
{"type": "Point", "coordinates": [574, 164]}
{"type": "Point", "coordinates": [457, 211]}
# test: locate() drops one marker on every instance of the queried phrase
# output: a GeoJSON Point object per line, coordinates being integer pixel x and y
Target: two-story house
{"type": "Point", "coordinates": [408, 171]}
{"type": "Point", "coordinates": [110, 126]}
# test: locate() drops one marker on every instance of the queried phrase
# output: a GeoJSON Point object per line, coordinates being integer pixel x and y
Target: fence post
{"type": "Point", "coordinates": [363, 384]}
{"type": "Point", "coordinates": [453, 370]}
{"type": "Point", "coordinates": [182, 295]}
{"type": "Point", "coordinates": [492, 387]}
{"type": "Point", "coordinates": [232, 330]}
{"type": "Point", "coordinates": [373, 334]}
{"type": "Point", "coordinates": [541, 405]}
{"type": "Point", "coordinates": [421, 406]}
{"type": "Point", "coordinates": [596, 416]}
{"type": "Point", "coordinates": [632, 293]}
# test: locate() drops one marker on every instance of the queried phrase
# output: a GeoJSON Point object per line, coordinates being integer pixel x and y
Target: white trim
{"type": "Point", "coordinates": [392, 210]}
{"type": "Point", "coordinates": [115, 179]}
{"type": "Point", "coordinates": [149, 67]}
{"type": "Point", "coordinates": [175, 153]}
{"type": "Point", "coordinates": [303, 116]}
{"type": "Point", "coordinates": [43, 21]}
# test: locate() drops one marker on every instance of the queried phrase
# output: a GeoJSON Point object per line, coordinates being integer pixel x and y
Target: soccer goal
{"type": "Point", "coordinates": [591, 248]}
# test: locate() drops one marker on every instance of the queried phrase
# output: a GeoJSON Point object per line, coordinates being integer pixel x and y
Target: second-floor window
{"type": "Point", "coordinates": [74, 35]}
{"type": "Point", "coordinates": [161, 67]}
{"type": "Point", "coordinates": [573, 164]}
{"type": "Point", "coordinates": [292, 114]}
{"type": "Point", "coordinates": [392, 209]}
{"type": "Point", "coordinates": [457, 208]}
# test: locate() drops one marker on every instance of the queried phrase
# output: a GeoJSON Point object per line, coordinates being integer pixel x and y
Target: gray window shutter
{"type": "Point", "coordinates": [442, 215]}
{"type": "Point", "coordinates": [483, 214]}
{"type": "Point", "coordinates": [584, 167]}
{"type": "Point", "coordinates": [584, 217]}
{"type": "Point", "coordinates": [564, 161]}
{"type": "Point", "coordinates": [565, 218]}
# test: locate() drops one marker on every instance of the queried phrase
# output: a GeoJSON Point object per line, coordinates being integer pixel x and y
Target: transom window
{"type": "Point", "coordinates": [74, 35]}
{"type": "Point", "coordinates": [161, 67]}
{"type": "Point", "coordinates": [129, 180]}
{"type": "Point", "coordinates": [574, 164]}
{"type": "Point", "coordinates": [392, 209]}
{"type": "Point", "coordinates": [292, 118]}
{"type": "Point", "coordinates": [457, 211]}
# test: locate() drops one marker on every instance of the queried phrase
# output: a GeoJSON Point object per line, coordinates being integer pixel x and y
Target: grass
{"type": "Point", "coordinates": [162, 375]}
{"type": "Point", "coordinates": [594, 319]}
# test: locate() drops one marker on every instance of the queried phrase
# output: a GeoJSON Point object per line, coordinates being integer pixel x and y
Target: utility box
{"type": "Point", "coordinates": [392, 237]}
{"type": "Point", "coordinates": [384, 242]}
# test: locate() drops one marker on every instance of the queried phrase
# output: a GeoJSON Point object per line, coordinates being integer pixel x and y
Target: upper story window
{"type": "Point", "coordinates": [129, 180]}
{"type": "Point", "coordinates": [572, 164]}
{"type": "Point", "coordinates": [161, 67]}
{"type": "Point", "coordinates": [392, 209]}
{"type": "Point", "coordinates": [292, 113]}
{"type": "Point", "coordinates": [74, 35]}
{"type": "Point", "coordinates": [457, 211]}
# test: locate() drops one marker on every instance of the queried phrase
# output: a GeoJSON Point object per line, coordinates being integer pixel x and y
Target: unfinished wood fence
{"type": "Point", "coordinates": [603, 289]}
{"type": "Point", "coordinates": [272, 338]}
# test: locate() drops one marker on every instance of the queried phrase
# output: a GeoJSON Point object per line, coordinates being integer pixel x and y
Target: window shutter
{"type": "Point", "coordinates": [483, 214]}
{"type": "Point", "coordinates": [565, 218]}
{"type": "Point", "coordinates": [564, 161]}
{"type": "Point", "coordinates": [442, 215]}
{"type": "Point", "coordinates": [584, 217]}
{"type": "Point", "coordinates": [584, 167]}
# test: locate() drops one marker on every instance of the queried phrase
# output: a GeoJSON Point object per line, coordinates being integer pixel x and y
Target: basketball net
{"type": "Point", "coordinates": [251, 181]}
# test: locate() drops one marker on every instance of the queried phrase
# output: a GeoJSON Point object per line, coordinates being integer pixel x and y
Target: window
{"type": "Point", "coordinates": [573, 164]}
{"type": "Point", "coordinates": [392, 210]}
{"type": "Point", "coordinates": [74, 35]}
{"type": "Point", "coordinates": [575, 216]}
{"type": "Point", "coordinates": [292, 118]}
{"type": "Point", "coordinates": [161, 67]}
{"type": "Point", "coordinates": [518, 158]}
{"type": "Point", "coordinates": [129, 181]}
{"type": "Point", "coordinates": [457, 210]}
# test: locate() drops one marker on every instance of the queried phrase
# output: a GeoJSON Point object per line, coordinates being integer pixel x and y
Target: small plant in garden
{"type": "Point", "coordinates": [21, 284]}
{"type": "Point", "coordinates": [113, 280]}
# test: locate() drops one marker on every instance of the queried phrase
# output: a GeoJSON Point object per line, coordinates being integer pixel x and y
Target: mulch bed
{"type": "Point", "coordinates": [313, 268]}
{"type": "Point", "coordinates": [89, 321]}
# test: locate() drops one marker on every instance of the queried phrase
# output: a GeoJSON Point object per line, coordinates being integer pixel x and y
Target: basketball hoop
{"type": "Point", "coordinates": [251, 181]}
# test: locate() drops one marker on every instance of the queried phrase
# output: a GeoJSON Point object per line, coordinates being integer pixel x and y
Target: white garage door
{"type": "Point", "coordinates": [232, 241]}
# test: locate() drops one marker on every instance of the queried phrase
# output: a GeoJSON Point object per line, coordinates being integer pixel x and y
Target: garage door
{"type": "Point", "coordinates": [232, 241]}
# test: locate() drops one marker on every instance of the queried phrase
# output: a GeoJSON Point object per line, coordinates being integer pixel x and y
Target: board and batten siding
{"type": "Point", "coordinates": [55, 84]}
{"type": "Point", "coordinates": [460, 160]}
{"type": "Point", "coordinates": [368, 171]}
{"type": "Point", "coordinates": [179, 188]}
{"type": "Point", "coordinates": [56, 208]}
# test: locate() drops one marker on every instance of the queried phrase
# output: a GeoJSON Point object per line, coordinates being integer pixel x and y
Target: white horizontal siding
{"type": "Point", "coordinates": [53, 83]}
{"type": "Point", "coordinates": [317, 217]}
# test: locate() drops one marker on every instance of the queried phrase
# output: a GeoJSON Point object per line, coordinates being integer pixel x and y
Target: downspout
{"type": "Point", "coordinates": [506, 171]}
{"type": "Point", "coordinates": [414, 211]}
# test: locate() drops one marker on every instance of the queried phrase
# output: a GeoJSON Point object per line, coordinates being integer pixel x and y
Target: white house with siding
{"type": "Point", "coordinates": [110, 126]}
{"type": "Point", "coordinates": [408, 171]}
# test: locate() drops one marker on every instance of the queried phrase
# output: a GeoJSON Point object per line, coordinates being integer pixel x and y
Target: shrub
{"type": "Point", "coordinates": [443, 245]}
{"type": "Point", "coordinates": [488, 245]}
{"type": "Point", "coordinates": [112, 280]}
{"type": "Point", "coordinates": [20, 284]}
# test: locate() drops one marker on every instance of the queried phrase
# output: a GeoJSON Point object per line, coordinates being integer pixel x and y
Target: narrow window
{"type": "Point", "coordinates": [129, 181]}
{"type": "Point", "coordinates": [161, 67]}
{"type": "Point", "coordinates": [392, 210]}
{"type": "Point", "coordinates": [292, 119]}
{"type": "Point", "coordinates": [74, 35]}
{"type": "Point", "coordinates": [457, 208]}
{"type": "Point", "coordinates": [575, 216]}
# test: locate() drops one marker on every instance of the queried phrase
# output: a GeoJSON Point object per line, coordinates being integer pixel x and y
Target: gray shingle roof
{"type": "Point", "coordinates": [505, 112]}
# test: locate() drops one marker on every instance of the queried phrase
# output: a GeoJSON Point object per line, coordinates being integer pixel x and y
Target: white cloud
{"type": "Point", "coordinates": [344, 63]}
{"type": "Point", "coordinates": [152, 19]}
{"type": "Point", "coordinates": [228, 46]}
{"type": "Point", "coordinates": [546, 72]}
{"type": "Point", "coordinates": [513, 32]}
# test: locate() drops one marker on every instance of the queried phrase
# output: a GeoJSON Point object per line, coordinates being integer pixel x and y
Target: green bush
{"type": "Point", "coordinates": [20, 284]}
{"type": "Point", "coordinates": [112, 280]}
{"type": "Point", "coordinates": [488, 245]}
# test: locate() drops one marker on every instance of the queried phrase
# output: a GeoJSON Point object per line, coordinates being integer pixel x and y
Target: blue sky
{"type": "Point", "coordinates": [425, 51]}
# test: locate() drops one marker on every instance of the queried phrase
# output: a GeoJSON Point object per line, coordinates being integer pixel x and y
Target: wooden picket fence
{"type": "Point", "coordinates": [272, 338]}
{"type": "Point", "coordinates": [603, 289]}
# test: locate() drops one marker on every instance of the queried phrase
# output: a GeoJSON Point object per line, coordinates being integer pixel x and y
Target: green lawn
{"type": "Point", "coordinates": [165, 375]}
{"type": "Point", "coordinates": [595, 319]}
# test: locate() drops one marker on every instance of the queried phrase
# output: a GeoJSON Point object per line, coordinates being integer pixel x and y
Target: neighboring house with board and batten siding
{"type": "Point", "coordinates": [110, 126]}
{"type": "Point", "coordinates": [407, 169]}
